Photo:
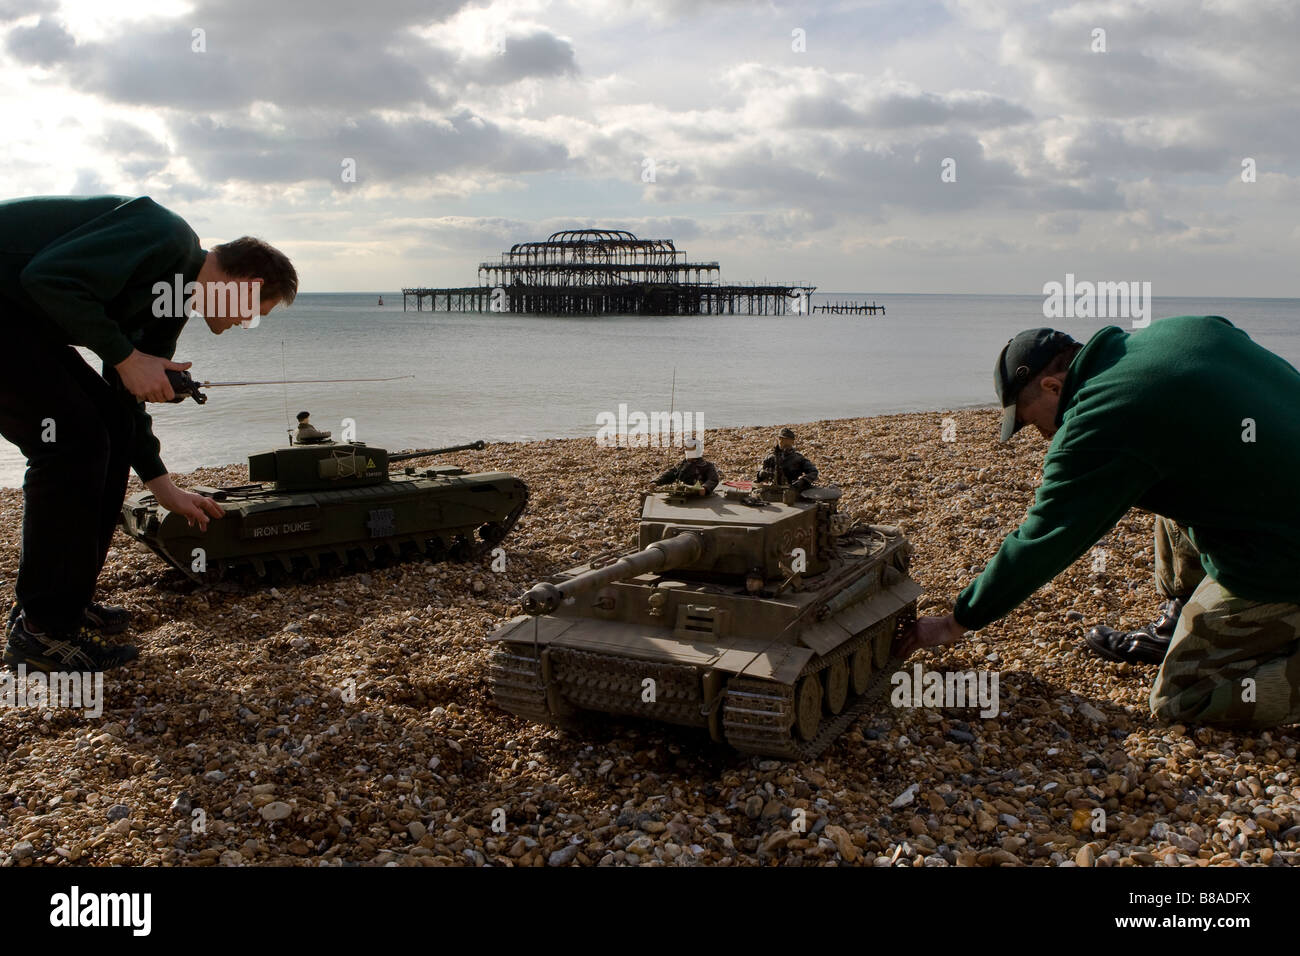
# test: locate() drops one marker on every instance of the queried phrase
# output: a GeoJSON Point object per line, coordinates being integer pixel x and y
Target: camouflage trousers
{"type": "Point", "coordinates": [1232, 662]}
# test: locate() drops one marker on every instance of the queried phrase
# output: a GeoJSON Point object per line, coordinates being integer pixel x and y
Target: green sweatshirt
{"type": "Point", "coordinates": [1156, 420]}
{"type": "Point", "coordinates": [87, 267]}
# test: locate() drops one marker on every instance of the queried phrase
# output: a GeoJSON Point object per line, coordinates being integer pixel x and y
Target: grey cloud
{"type": "Point", "coordinates": [902, 110]}
{"type": "Point", "coordinates": [335, 55]}
{"type": "Point", "coordinates": [931, 109]}
{"type": "Point", "coordinates": [1060, 223]}
{"type": "Point", "coordinates": [88, 183]}
{"type": "Point", "coordinates": [44, 44]}
{"type": "Point", "coordinates": [127, 138]}
{"type": "Point", "coordinates": [1103, 145]}
{"type": "Point", "coordinates": [404, 150]}
{"type": "Point", "coordinates": [536, 54]}
{"type": "Point", "coordinates": [17, 9]}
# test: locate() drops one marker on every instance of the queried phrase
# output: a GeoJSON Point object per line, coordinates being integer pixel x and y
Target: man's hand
{"type": "Point", "coordinates": [145, 376]}
{"type": "Point", "coordinates": [193, 508]}
{"type": "Point", "coordinates": [930, 632]}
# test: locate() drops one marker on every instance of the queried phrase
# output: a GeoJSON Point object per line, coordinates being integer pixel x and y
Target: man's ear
{"type": "Point", "coordinates": [1050, 383]}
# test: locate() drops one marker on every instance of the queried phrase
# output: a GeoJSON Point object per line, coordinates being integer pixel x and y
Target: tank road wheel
{"type": "Point", "coordinates": [435, 550]}
{"type": "Point", "coordinates": [303, 570]}
{"type": "Point", "coordinates": [835, 681]}
{"type": "Point", "coordinates": [461, 551]}
{"type": "Point", "coordinates": [861, 668]}
{"type": "Point", "coordinates": [808, 707]}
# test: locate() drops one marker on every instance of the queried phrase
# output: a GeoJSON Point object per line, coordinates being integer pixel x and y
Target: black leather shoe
{"type": "Point", "coordinates": [1146, 646]}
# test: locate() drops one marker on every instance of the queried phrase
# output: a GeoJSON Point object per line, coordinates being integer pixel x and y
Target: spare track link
{"type": "Point", "coordinates": [515, 673]}
{"type": "Point", "coordinates": [616, 685]}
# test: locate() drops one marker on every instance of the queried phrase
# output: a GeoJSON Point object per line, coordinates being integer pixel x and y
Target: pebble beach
{"type": "Point", "coordinates": [349, 721]}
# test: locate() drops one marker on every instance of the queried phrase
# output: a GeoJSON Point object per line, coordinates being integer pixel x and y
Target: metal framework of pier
{"type": "Point", "coordinates": [607, 271]}
{"type": "Point", "coordinates": [850, 308]}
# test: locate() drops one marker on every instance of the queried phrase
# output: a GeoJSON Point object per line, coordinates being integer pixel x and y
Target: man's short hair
{"type": "Point", "coordinates": [251, 258]}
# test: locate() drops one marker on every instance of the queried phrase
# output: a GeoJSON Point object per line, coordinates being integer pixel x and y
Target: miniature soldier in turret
{"type": "Point", "coordinates": [692, 470]}
{"type": "Point", "coordinates": [309, 434]}
{"type": "Point", "coordinates": [799, 472]}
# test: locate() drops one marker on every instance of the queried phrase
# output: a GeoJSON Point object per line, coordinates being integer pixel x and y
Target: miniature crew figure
{"type": "Point", "coordinates": [692, 470]}
{"type": "Point", "coordinates": [309, 434]}
{"type": "Point", "coordinates": [799, 472]}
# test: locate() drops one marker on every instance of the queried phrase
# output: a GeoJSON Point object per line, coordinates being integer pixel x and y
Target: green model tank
{"type": "Point", "coordinates": [324, 506]}
{"type": "Point", "coordinates": [756, 613]}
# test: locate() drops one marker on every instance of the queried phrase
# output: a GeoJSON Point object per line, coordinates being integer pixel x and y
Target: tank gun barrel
{"type": "Point", "coordinates": [662, 555]}
{"type": "Point", "coordinates": [425, 452]}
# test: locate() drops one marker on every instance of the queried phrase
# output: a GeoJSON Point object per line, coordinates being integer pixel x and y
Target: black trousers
{"type": "Point", "coordinates": [76, 431]}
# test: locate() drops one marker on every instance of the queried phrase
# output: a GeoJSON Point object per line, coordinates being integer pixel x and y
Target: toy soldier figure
{"type": "Point", "coordinates": [692, 470]}
{"type": "Point", "coordinates": [309, 434]}
{"type": "Point", "coordinates": [85, 270]}
{"type": "Point", "coordinates": [798, 471]}
{"type": "Point", "coordinates": [1192, 421]}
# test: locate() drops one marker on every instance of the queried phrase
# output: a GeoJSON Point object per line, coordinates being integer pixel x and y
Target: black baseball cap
{"type": "Point", "coordinates": [1022, 358]}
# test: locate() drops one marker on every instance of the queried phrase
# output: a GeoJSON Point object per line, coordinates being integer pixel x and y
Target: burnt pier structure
{"type": "Point", "coordinates": [608, 272]}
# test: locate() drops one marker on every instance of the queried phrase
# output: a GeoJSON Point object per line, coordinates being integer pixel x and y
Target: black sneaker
{"type": "Point", "coordinates": [76, 650]}
{"type": "Point", "coordinates": [1147, 646]}
{"type": "Point", "coordinates": [108, 618]}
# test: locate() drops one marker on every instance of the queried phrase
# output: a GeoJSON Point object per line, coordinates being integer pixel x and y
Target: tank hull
{"type": "Point", "coordinates": [266, 534]}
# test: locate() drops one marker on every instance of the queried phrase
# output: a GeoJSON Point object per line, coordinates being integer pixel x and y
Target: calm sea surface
{"type": "Point", "coordinates": [503, 377]}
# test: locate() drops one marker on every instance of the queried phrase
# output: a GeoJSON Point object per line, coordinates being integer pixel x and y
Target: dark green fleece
{"type": "Point", "coordinates": [1155, 419]}
{"type": "Point", "coordinates": [87, 267]}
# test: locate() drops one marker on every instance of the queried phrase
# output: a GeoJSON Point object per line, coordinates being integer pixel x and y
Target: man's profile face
{"type": "Point", "coordinates": [224, 316]}
{"type": "Point", "coordinates": [786, 443]}
{"type": "Point", "coordinates": [1040, 410]}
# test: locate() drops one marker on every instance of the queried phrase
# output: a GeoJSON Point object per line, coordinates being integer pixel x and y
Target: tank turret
{"type": "Point", "coordinates": [327, 465]}
{"type": "Point", "coordinates": [759, 613]}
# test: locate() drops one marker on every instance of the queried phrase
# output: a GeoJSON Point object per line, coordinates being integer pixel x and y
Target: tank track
{"type": "Point", "coordinates": [758, 715]}
{"type": "Point", "coordinates": [304, 566]}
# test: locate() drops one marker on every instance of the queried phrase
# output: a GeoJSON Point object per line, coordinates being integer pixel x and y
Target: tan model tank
{"type": "Point", "coordinates": [755, 612]}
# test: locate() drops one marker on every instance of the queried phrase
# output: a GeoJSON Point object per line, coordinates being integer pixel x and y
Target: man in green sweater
{"type": "Point", "coordinates": [107, 273]}
{"type": "Point", "coordinates": [1191, 420]}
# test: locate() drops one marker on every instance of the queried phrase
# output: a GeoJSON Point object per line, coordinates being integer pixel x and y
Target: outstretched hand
{"type": "Point", "coordinates": [926, 632]}
{"type": "Point", "coordinates": [194, 508]}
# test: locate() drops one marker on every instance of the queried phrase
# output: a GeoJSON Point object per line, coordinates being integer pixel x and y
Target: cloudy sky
{"type": "Point", "coordinates": [787, 141]}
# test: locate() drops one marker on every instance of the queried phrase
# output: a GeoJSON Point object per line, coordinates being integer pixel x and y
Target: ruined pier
{"type": "Point", "coordinates": [608, 272]}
